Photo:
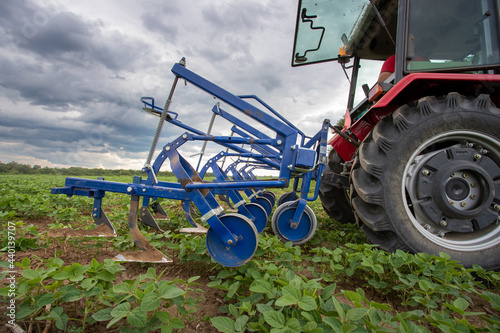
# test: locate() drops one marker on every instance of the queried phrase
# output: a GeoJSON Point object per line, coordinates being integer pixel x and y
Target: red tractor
{"type": "Point", "coordinates": [417, 163]}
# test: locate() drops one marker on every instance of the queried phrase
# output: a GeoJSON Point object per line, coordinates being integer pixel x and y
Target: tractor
{"type": "Point", "coordinates": [417, 162]}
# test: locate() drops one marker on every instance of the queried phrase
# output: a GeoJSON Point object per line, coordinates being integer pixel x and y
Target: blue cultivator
{"type": "Point", "coordinates": [231, 238]}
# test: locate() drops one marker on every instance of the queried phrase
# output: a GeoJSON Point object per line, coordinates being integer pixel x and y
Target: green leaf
{"type": "Point", "coordinates": [62, 275]}
{"type": "Point", "coordinates": [24, 312]}
{"type": "Point", "coordinates": [164, 316]}
{"type": "Point", "coordinates": [293, 325]}
{"type": "Point", "coordinates": [328, 291]}
{"type": "Point", "coordinates": [241, 323]}
{"type": "Point", "coordinates": [381, 306]}
{"type": "Point", "coordinates": [43, 300]}
{"type": "Point", "coordinates": [122, 288]}
{"type": "Point", "coordinates": [353, 296]}
{"type": "Point", "coordinates": [264, 307]}
{"type": "Point", "coordinates": [192, 279]}
{"type": "Point", "coordinates": [88, 283]}
{"type": "Point", "coordinates": [105, 276]}
{"type": "Point", "coordinates": [70, 293]}
{"type": "Point", "coordinates": [286, 301]}
{"type": "Point", "coordinates": [31, 274]}
{"type": "Point", "coordinates": [223, 324]}
{"type": "Point", "coordinates": [151, 273]}
{"type": "Point", "coordinates": [121, 310]}
{"type": "Point", "coordinates": [334, 323]}
{"type": "Point", "coordinates": [61, 318]}
{"type": "Point", "coordinates": [308, 327]}
{"type": "Point", "coordinates": [150, 302]}
{"type": "Point", "coordinates": [307, 303]}
{"type": "Point", "coordinates": [177, 323]}
{"type": "Point", "coordinates": [355, 314]}
{"type": "Point", "coordinates": [274, 319]}
{"type": "Point", "coordinates": [261, 286]}
{"type": "Point", "coordinates": [292, 292]}
{"type": "Point", "coordinates": [461, 303]}
{"type": "Point", "coordinates": [424, 285]}
{"type": "Point", "coordinates": [103, 315]}
{"type": "Point", "coordinates": [339, 308]}
{"type": "Point", "coordinates": [137, 317]}
{"type": "Point", "coordinates": [171, 291]}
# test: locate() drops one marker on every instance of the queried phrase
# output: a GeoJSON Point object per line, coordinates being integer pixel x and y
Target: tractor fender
{"type": "Point", "coordinates": [411, 88]}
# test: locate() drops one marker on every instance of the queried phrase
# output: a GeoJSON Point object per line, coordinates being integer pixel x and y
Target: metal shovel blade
{"type": "Point", "coordinates": [152, 255]}
{"type": "Point", "coordinates": [198, 230]}
{"type": "Point", "coordinates": [148, 253]}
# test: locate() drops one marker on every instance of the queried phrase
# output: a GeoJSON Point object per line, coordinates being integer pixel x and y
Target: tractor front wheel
{"type": "Point", "coordinates": [427, 179]}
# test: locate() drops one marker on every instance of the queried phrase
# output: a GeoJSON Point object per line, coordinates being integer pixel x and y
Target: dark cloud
{"type": "Point", "coordinates": [71, 79]}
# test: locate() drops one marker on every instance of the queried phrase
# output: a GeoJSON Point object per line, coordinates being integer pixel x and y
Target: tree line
{"type": "Point", "coordinates": [26, 169]}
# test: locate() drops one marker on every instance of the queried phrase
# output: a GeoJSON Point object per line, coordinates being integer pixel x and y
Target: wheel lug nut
{"type": "Point", "coordinates": [497, 207]}
{"type": "Point", "coordinates": [473, 185]}
{"type": "Point", "coordinates": [473, 196]}
{"type": "Point", "coordinates": [463, 204]}
{"type": "Point", "coordinates": [477, 156]}
{"type": "Point", "coordinates": [443, 223]}
{"type": "Point", "coordinates": [453, 175]}
{"type": "Point", "coordinates": [441, 234]}
{"type": "Point", "coordinates": [426, 172]}
{"type": "Point", "coordinates": [465, 175]}
{"type": "Point", "coordinates": [452, 203]}
{"type": "Point", "coordinates": [427, 227]}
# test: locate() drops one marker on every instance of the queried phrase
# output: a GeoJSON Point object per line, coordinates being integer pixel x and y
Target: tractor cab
{"type": "Point", "coordinates": [426, 36]}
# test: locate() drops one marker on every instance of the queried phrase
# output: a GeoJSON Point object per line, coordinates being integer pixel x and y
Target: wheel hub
{"type": "Point", "coordinates": [456, 190]}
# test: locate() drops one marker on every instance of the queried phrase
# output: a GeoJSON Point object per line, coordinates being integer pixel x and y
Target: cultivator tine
{"type": "Point", "coordinates": [149, 254]}
{"type": "Point", "coordinates": [100, 218]}
{"type": "Point", "coordinates": [148, 219]}
{"type": "Point", "coordinates": [198, 230]}
{"type": "Point", "coordinates": [157, 208]}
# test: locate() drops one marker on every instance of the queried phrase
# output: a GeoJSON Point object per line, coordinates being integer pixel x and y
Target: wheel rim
{"type": "Point", "coordinates": [269, 196]}
{"type": "Point", "coordinates": [258, 216]}
{"type": "Point", "coordinates": [241, 252]}
{"type": "Point", "coordinates": [265, 203]}
{"type": "Point", "coordinates": [281, 224]}
{"type": "Point", "coordinates": [289, 196]}
{"type": "Point", "coordinates": [448, 190]}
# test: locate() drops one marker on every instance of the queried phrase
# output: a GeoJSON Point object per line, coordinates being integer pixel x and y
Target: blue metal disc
{"type": "Point", "coordinates": [270, 196]}
{"type": "Point", "coordinates": [281, 224]}
{"type": "Point", "coordinates": [258, 216]}
{"type": "Point", "coordinates": [241, 252]}
{"type": "Point", "coordinates": [289, 196]}
{"type": "Point", "coordinates": [266, 204]}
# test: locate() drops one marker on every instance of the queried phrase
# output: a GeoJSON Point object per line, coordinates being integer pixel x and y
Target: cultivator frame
{"type": "Point", "coordinates": [232, 238]}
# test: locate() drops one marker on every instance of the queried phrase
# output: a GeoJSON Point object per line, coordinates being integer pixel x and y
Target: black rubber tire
{"type": "Point", "coordinates": [398, 147]}
{"type": "Point", "coordinates": [335, 200]}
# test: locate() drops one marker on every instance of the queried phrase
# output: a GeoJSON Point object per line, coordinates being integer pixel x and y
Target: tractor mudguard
{"type": "Point", "coordinates": [411, 88]}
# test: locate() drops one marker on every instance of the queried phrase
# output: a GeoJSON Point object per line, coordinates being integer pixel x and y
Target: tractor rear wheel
{"type": "Point", "coordinates": [335, 200]}
{"type": "Point", "coordinates": [427, 179]}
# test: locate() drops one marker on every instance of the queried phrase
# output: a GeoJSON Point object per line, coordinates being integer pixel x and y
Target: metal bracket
{"type": "Point", "coordinates": [335, 179]}
{"type": "Point", "coordinates": [212, 212]}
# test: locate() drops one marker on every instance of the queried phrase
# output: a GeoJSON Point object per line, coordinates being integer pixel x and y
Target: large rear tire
{"type": "Point", "coordinates": [335, 200]}
{"type": "Point", "coordinates": [427, 179]}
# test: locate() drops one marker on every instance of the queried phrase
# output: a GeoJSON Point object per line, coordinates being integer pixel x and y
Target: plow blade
{"type": "Point", "coordinates": [198, 230]}
{"type": "Point", "coordinates": [148, 253]}
{"type": "Point", "coordinates": [157, 208]}
{"type": "Point", "coordinates": [104, 224]}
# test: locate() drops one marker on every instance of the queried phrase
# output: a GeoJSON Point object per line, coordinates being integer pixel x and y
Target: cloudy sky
{"type": "Point", "coordinates": [72, 74]}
